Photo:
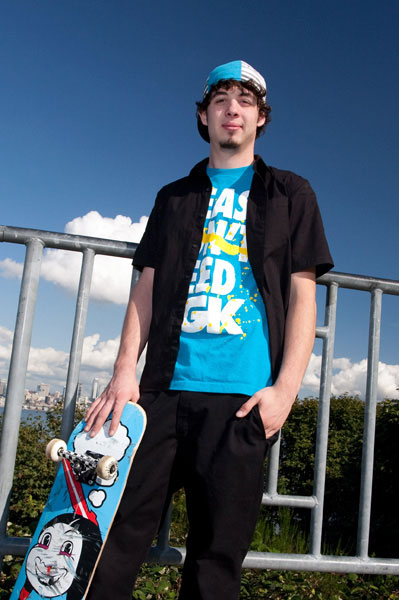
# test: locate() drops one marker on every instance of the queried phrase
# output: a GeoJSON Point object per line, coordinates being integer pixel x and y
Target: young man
{"type": "Point", "coordinates": [226, 302]}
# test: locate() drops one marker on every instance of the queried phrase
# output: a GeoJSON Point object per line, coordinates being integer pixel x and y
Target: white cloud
{"type": "Point", "coordinates": [111, 276]}
{"type": "Point", "coordinates": [50, 365]}
{"type": "Point", "coordinates": [6, 337]}
{"type": "Point", "coordinates": [44, 364]}
{"type": "Point", "coordinates": [97, 354]}
{"type": "Point", "coordinates": [101, 443]}
{"type": "Point", "coordinates": [10, 269]}
{"type": "Point", "coordinates": [311, 380]}
{"type": "Point", "coordinates": [350, 377]}
{"type": "Point", "coordinates": [47, 362]}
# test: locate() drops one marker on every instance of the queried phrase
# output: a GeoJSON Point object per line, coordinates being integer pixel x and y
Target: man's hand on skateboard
{"type": "Point", "coordinates": [122, 388]}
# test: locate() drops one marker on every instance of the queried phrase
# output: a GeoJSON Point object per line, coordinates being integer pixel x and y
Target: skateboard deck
{"type": "Point", "coordinates": [73, 528]}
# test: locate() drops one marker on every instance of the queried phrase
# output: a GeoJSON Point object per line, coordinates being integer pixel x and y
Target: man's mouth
{"type": "Point", "coordinates": [231, 126]}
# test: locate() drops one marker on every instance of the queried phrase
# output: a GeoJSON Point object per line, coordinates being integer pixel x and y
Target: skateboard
{"type": "Point", "coordinates": [85, 496]}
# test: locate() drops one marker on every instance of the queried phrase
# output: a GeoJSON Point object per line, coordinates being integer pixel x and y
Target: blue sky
{"type": "Point", "coordinates": [97, 113]}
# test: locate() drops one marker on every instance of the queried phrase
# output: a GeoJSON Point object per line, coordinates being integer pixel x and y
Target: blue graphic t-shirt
{"type": "Point", "coordinates": [224, 340]}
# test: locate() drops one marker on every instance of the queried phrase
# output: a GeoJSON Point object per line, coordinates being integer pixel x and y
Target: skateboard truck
{"type": "Point", "coordinates": [85, 467]}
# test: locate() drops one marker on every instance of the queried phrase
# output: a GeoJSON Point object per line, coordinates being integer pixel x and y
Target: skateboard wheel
{"type": "Point", "coordinates": [107, 467]}
{"type": "Point", "coordinates": [53, 449]}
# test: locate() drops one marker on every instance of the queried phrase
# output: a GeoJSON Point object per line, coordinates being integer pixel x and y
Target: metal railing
{"type": "Point", "coordinates": [35, 241]}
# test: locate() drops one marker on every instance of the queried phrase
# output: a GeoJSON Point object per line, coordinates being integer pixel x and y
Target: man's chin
{"type": "Point", "coordinates": [229, 144]}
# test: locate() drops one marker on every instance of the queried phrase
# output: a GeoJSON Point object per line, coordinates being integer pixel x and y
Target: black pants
{"type": "Point", "coordinates": [195, 441]}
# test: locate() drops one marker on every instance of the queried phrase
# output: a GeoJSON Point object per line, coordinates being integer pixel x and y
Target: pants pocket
{"type": "Point", "coordinates": [273, 438]}
{"type": "Point", "coordinates": [255, 412]}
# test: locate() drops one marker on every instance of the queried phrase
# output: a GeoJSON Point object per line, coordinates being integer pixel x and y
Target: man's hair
{"type": "Point", "coordinates": [226, 84]}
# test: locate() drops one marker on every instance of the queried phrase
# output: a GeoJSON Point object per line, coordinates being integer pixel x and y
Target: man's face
{"type": "Point", "coordinates": [232, 118]}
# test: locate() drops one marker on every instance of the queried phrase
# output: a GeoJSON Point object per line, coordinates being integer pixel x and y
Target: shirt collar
{"type": "Point", "coordinates": [260, 167]}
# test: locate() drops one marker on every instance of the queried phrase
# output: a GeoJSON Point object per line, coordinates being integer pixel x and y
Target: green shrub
{"type": "Point", "coordinates": [278, 529]}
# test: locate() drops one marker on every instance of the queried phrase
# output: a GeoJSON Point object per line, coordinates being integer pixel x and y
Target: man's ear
{"type": "Point", "coordinates": [203, 117]}
{"type": "Point", "coordinates": [261, 120]}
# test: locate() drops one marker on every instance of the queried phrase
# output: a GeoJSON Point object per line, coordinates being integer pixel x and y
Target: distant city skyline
{"type": "Point", "coordinates": [44, 389]}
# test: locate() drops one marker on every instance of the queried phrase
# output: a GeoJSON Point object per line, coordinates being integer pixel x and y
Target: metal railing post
{"type": "Point", "coordinates": [17, 374]}
{"type": "Point", "coordinates": [366, 481]}
{"type": "Point", "coordinates": [75, 358]}
{"type": "Point", "coordinates": [323, 418]}
{"type": "Point", "coordinates": [272, 468]}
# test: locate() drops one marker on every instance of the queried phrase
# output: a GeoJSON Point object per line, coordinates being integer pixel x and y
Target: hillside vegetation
{"type": "Point", "coordinates": [278, 529]}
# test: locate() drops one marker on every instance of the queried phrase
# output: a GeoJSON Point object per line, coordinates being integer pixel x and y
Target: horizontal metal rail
{"type": "Point", "coordinates": [293, 562]}
{"type": "Point", "coordinates": [66, 241]}
{"type": "Point", "coordinates": [35, 241]}
{"type": "Point", "coordinates": [360, 282]}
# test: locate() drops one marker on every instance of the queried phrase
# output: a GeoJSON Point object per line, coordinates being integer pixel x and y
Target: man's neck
{"type": "Point", "coordinates": [231, 158]}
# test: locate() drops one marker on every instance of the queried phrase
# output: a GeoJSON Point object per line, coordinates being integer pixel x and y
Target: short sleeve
{"type": "Point", "coordinates": [147, 252]}
{"type": "Point", "coordinates": [309, 245]}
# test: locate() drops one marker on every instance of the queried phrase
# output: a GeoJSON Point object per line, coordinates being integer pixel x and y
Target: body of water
{"type": "Point", "coordinates": [26, 414]}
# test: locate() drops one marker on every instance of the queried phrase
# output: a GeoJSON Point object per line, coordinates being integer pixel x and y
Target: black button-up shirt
{"type": "Point", "coordinates": [285, 235]}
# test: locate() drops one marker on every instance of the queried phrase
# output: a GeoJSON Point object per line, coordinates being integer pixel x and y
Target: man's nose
{"type": "Point", "coordinates": [232, 107]}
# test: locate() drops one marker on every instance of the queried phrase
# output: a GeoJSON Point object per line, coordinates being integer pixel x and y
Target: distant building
{"type": "Point", "coordinates": [84, 402]}
{"type": "Point", "coordinates": [3, 387]}
{"type": "Point", "coordinates": [43, 390]}
{"type": "Point", "coordinates": [94, 389]}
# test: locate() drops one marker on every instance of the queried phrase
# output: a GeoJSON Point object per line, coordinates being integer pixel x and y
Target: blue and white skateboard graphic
{"type": "Point", "coordinates": [73, 528]}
